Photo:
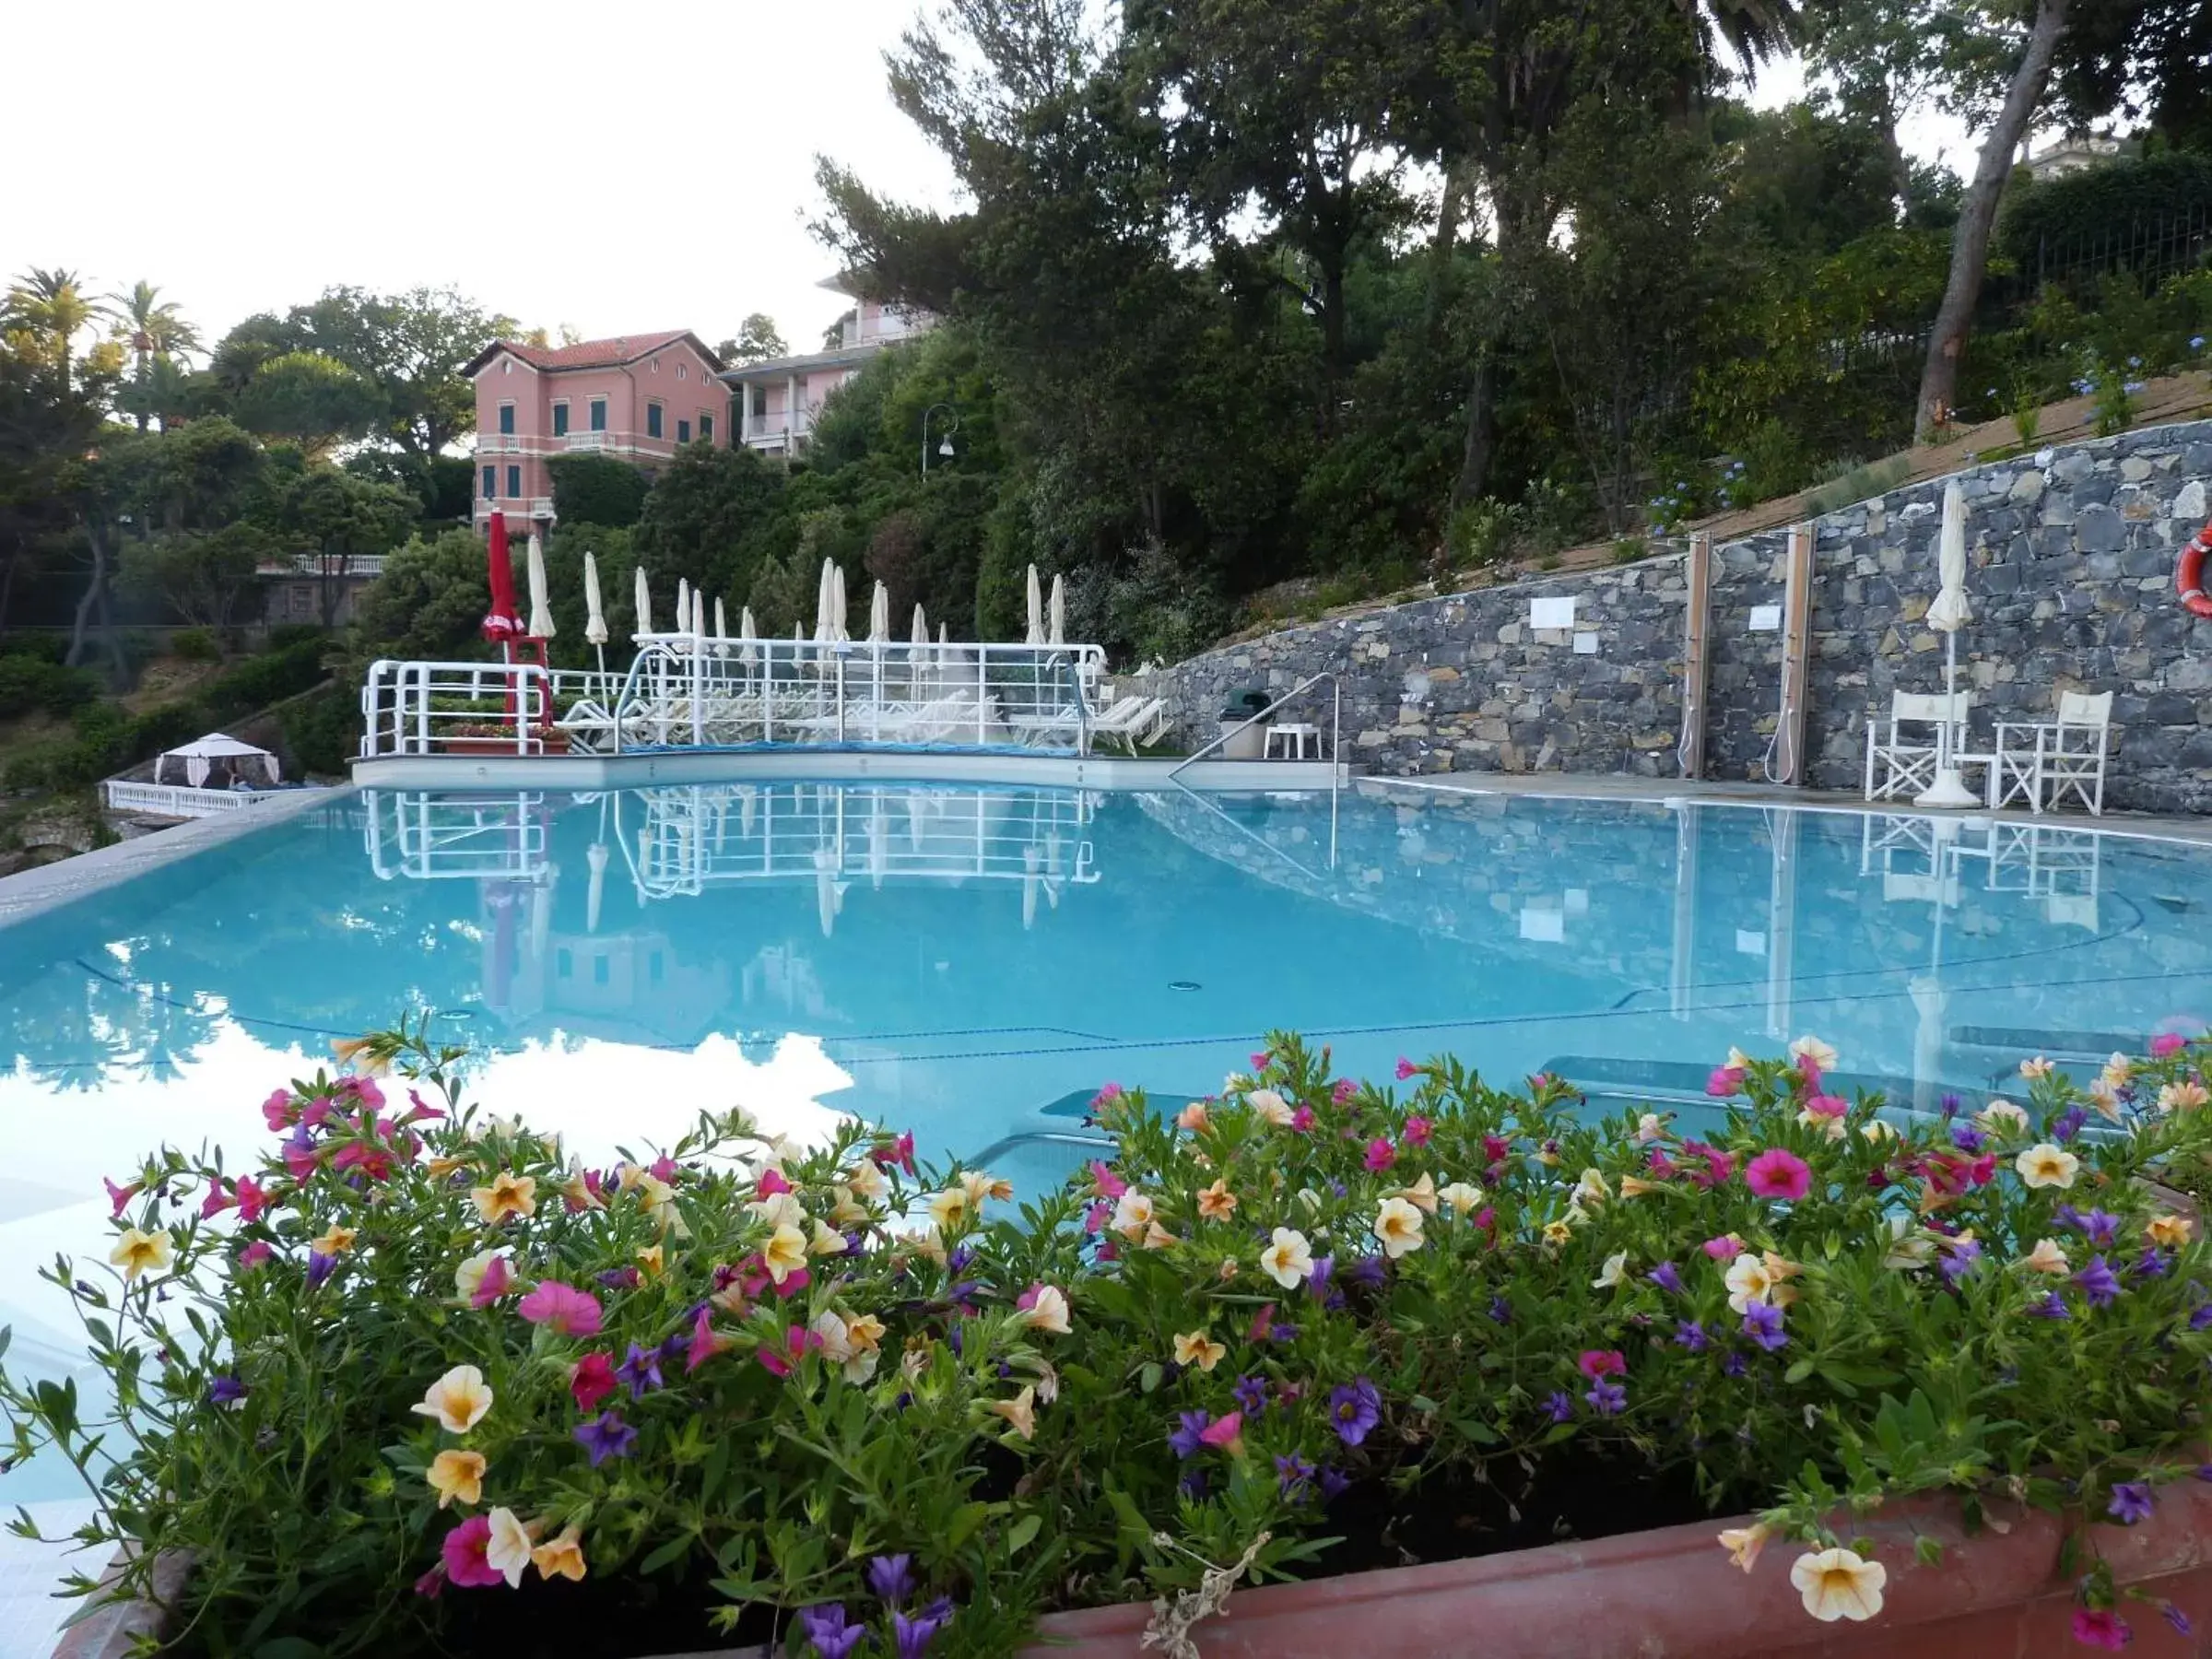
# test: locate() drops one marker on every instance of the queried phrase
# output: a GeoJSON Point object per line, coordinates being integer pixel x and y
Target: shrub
{"type": "Point", "coordinates": [28, 683]}
{"type": "Point", "coordinates": [428, 1350]}
{"type": "Point", "coordinates": [193, 645]}
{"type": "Point", "coordinates": [321, 731]}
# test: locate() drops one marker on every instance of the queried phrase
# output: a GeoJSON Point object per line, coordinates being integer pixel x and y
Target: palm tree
{"type": "Point", "coordinates": [154, 329]}
{"type": "Point", "coordinates": [52, 306]}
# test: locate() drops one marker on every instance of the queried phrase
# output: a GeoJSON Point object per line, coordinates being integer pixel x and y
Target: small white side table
{"type": "Point", "coordinates": [1293, 741]}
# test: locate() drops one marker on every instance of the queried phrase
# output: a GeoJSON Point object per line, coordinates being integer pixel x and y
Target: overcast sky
{"type": "Point", "coordinates": [612, 166]}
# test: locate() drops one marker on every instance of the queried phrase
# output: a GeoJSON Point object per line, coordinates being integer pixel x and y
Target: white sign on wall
{"type": "Point", "coordinates": [1766, 618]}
{"type": "Point", "coordinates": [1551, 613]}
{"type": "Point", "coordinates": [1545, 926]}
{"type": "Point", "coordinates": [1586, 644]}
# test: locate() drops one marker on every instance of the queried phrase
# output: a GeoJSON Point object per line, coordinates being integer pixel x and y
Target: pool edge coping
{"type": "Point", "coordinates": [30, 893]}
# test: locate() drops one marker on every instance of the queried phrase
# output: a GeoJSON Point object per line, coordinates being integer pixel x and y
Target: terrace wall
{"type": "Point", "coordinates": [2071, 554]}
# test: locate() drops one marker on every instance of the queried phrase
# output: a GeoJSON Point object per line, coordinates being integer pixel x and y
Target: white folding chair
{"type": "Point", "coordinates": [1900, 762]}
{"type": "Point", "coordinates": [2041, 761]}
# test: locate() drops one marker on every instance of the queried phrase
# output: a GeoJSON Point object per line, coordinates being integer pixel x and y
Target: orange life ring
{"type": "Point", "coordinates": [2189, 574]}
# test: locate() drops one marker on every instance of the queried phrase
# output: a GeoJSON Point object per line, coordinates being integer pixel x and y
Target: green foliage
{"type": "Point", "coordinates": [28, 683]}
{"type": "Point", "coordinates": [429, 601]}
{"type": "Point", "coordinates": [2078, 214]}
{"type": "Point", "coordinates": [700, 512]}
{"type": "Point", "coordinates": [597, 489]}
{"type": "Point", "coordinates": [1851, 482]}
{"type": "Point", "coordinates": [321, 731]}
{"type": "Point", "coordinates": [1817, 1308]}
{"type": "Point", "coordinates": [195, 645]}
{"type": "Point", "coordinates": [203, 576]}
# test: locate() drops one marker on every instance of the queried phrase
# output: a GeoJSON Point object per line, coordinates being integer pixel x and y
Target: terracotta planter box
{"type": "Point", "coordinates": [549, 743]}
{"type": "Point", "coordinates": [1672, 1592]}
{"type": "Point", "coordinates": [1669, 1593]}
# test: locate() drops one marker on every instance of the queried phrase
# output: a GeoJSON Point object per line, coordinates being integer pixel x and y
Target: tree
{"type": "Point", "coordinates": [699, 512]}
{"type": "Point", "coordinates": [200, 575]}
{"type": "Point", "coordinates": [312, 399]}
{"type": "Point", "coordinates": [429, 602]}
{"type": "Point", "coordinates": [1978, 214]}
{"type": "Point", "coordinates": [342, 517]}
{"type": "Point", "coordinates": [758, 341]}
{"type": "Point", "coordinates": [52, 306]}
{"type": "Point", "coordinates": [47, 431]}
{"type": "Point", "coordinates": [155, 330]}
{"type": "Point", "coordinates": [597, 489]}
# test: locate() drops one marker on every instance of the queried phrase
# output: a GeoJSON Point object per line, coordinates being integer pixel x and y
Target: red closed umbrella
{"type": "Point", "coordinates": [502, 624]}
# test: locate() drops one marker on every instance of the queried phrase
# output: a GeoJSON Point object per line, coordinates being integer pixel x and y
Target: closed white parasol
{"type": "Point", "coordinates": [594, 611]}
{"type": "Point", "coordinates": [644, 601]}
{"type": "Point", "coordinates": [1947, 615]}
{"type": "Point", "coordinates": [541, 605]}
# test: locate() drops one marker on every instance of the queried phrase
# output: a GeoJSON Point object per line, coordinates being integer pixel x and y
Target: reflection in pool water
{"type": "Point", "coordinates": [974, 963]}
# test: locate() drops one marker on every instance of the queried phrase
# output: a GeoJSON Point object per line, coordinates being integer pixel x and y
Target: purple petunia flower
{"type": "Point", "coordinates": [1355, 1407]}
{"type": "Point", "coordinates": [1967, 1138]}
{"type": "Point", "coordinates": [1668, 1278]}
{"type": "Point", "coordinates": [606, 1435]}
{"type": "Point", "coordinates": [2177, 1618]}
{"type": "Point", "coordinates": [1193, 1484]}
{"type": "Point", "coordinates": [1734, 1366]}
{"type": "Point", "coordinates": [1762, 1324]}
{"type": "Point", "coordinates": [1185, 1441]}
{"type": "Point", "coordinates": [2053, 1306]}
{"type": "Point", "coordinates": [1607, 1398]}
{"type": "Point", "coordinates": [1502, 1311]}
{"type": "Point", "coordinates": [2099, 1283]}
{"type": "Point", "coordinates": [641, 1370]}
{"type": "Point", "coordinates": [1691, 1336]}
{"type": "Point", "coordinates": [2153, 1263]}
{"type": "Point", "coordinates": [1317, 1282]}
{"type": "Point", "coordinates": [1251, 1395]}
{"type": "Point", "coordinates": [620, 1278]}
{"type": "Point", "coordinates": [2201, 1318]}
{"type": "Point", "coordinates": [1333, 1484]}
{"type": "Point", "coordinates": [1559, 1405]}
{"type": "Point", "coordinates": [2101, 1227]}
{"type": "Point", "coordinates": [225, 1390]}
{"type": "Point", "coordinates": [1950, 1104]}
{"type": "Point", "coordinates": [911, 1637]}
{"type": "Point", "coordinates": [891, 1577]}
{"type": "Point", "coordinates": [1293, 1474]}
{"type": "Point", "coordinates": [2067, 1124]}
{"type": "Point", "coordinates": [1283, 1332]}
{"type": "Point", "coordinates": [2131, 1502]}
{"type": "Point", "coordinates": [1369, 1271]}
{"type": "Point", "coordinates": [320, 1268]}
{"type": "Point", "coordinates": [1958, 1260]}
{"type": "Point", "coordinates": [827, 1629]}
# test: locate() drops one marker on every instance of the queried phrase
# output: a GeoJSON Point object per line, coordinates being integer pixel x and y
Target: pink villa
{"type": "Point", "coordinates": [635, 397]}
{"type": "Point", "coordinates": [776, 401]}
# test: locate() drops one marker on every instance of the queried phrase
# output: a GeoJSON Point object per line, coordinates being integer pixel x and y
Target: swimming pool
{"type": "Point", "coordinates": [975, 962]}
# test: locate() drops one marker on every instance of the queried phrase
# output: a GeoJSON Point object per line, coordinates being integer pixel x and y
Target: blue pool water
{"type": "Point", "coordinates": [974, 963]}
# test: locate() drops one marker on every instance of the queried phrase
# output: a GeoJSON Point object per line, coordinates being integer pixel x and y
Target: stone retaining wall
{"type": "Point", "coordinates": [2071, 557]}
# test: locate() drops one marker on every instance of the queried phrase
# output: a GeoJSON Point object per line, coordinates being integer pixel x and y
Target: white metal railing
{"type": "Point", "coordinates": [174, 800]}
{"type": "Point", "coordinates": [424, 836]}
{"type": "Point", "coordinates": [688, 692]}
{"type": "Point", "coordinates": [454, 708]}
{"type": "Point", "coordinates": [588, 441]}
{"type": "Point", "coordinates": [714, 835]}
{"type": "Point", "coordinates": [498, 443]}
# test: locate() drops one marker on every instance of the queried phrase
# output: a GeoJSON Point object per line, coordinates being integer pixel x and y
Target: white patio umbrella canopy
{"type": "Point", "coordinates": [1947, 615]}
{"type": "Point", "coordinates": [1036, 633]}
{"type": "Point", "coordinates": [921, 626]}
{"type": "Point", "coordinates": [644, 601]}
{"type": "Point", "coordinates": [722, 631]}
{"type": "Point", "coordinates": [594, 620]}
{"type": "Point", "coordinates": [825, 597]}
{"type": "Point", "coordinates": [683, 605]}
{"type": "Point", "coordinates": [202, 753]}
{"type": "Point", "coordinates": [841, 608]}
{"type": "Point", "coordinates": [880, 615]}
{"type": "Point", "coordinates": [541, 605]}
{"type": "Point", "coordinates": [1058, 610]}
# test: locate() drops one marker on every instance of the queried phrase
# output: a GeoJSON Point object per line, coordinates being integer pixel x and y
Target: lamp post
{"type": "Point", "coordinates": [944, 438]}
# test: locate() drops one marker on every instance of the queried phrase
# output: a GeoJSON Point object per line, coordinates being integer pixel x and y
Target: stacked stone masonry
{"type": "Point", "coordinates": [2070, 572]}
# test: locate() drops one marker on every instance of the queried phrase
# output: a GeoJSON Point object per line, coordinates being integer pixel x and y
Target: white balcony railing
{"type": "Point", "coordinates": [498, 443]}
{"type": "Point", "coordinates": [588, 441]}
{"type": "Point", "coordinates": [777, 426]}
{"type": "Point", "coordinates": [174, 800]}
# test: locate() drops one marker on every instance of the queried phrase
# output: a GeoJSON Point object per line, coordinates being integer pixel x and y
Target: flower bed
{"type": "Point", "coordinates": [420, 1381]}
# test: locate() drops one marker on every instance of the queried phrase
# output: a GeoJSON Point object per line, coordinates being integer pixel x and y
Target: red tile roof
{"type": "Point", "coordinates": [591, 354]}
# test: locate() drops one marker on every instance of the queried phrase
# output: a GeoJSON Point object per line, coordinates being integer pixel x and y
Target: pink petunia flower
{"type": "Point", "coordinates": [119, 1196]}
{"type": "Point", "coordinates": [1417, 1130]}
{"type": "Point", "coordinates": [279, 1111]}
{"type": "Point", "coordinates": [1259, 1061]}
{"type": "Point", "coordinates": [772, 1182]}
{"type": "Point", "coordinates": [900, 1151]}
{"type": "Point", "coordinates": [250, 1198]}
{"type": "Point", "coordinates": [1345, 1091]}
{"type": "Point", "coordinates": [1809, 1069]}
{"type": "Point", "coordinates": [464, 1551]}
{"type": "Point", "coordinates": [256, 1253]}
{"type": "Point", "coordinates": [591, 1380]}
{"type": "Point", "coordinates": [1108, 1185]}
{"type": "Point", "coordinates": [1303, 1119]}
{"type": "Point", "coordinates": [421, 1111]}
{"type": "Point", "coordinates": [2102, 1628]}
{"type": "Point", "coordinates": [1723, 1081]}
{"type": "Point", "coordinates": [1381, 1154]}
{"type": "Point", "coordinates": [1726, 1248]}
{"type": "Point", "coordinates": [493, 1285]}
{"type": "Point", "coordinates": [664, 1169]}
{"type": "Point", "coordinates": [705, 1343]}
{"type": "Point", "coordinates": [216, 1200]}
{"type": "Point", "coordinates": [2167, 1043]}
{"type": "Point", "coordinates": [1225, 1433]}
{"type": "Point", "coordinates": [1406, 1069]}
{"type": "Point", "coordinates": [1828, 1106]}
{"type": "Point", "coordinates": [1778, 1174]}
{"type": "Point", "coordinates": [562, 1309]}
{"type": "Point", "coordinates": [1602, 1362]}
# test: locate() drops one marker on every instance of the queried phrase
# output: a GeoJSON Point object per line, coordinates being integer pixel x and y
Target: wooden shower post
{"type": "Point", "coordinates": [1696, 653]}
{"type": "Point", "coordinates": [1796, 657]}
